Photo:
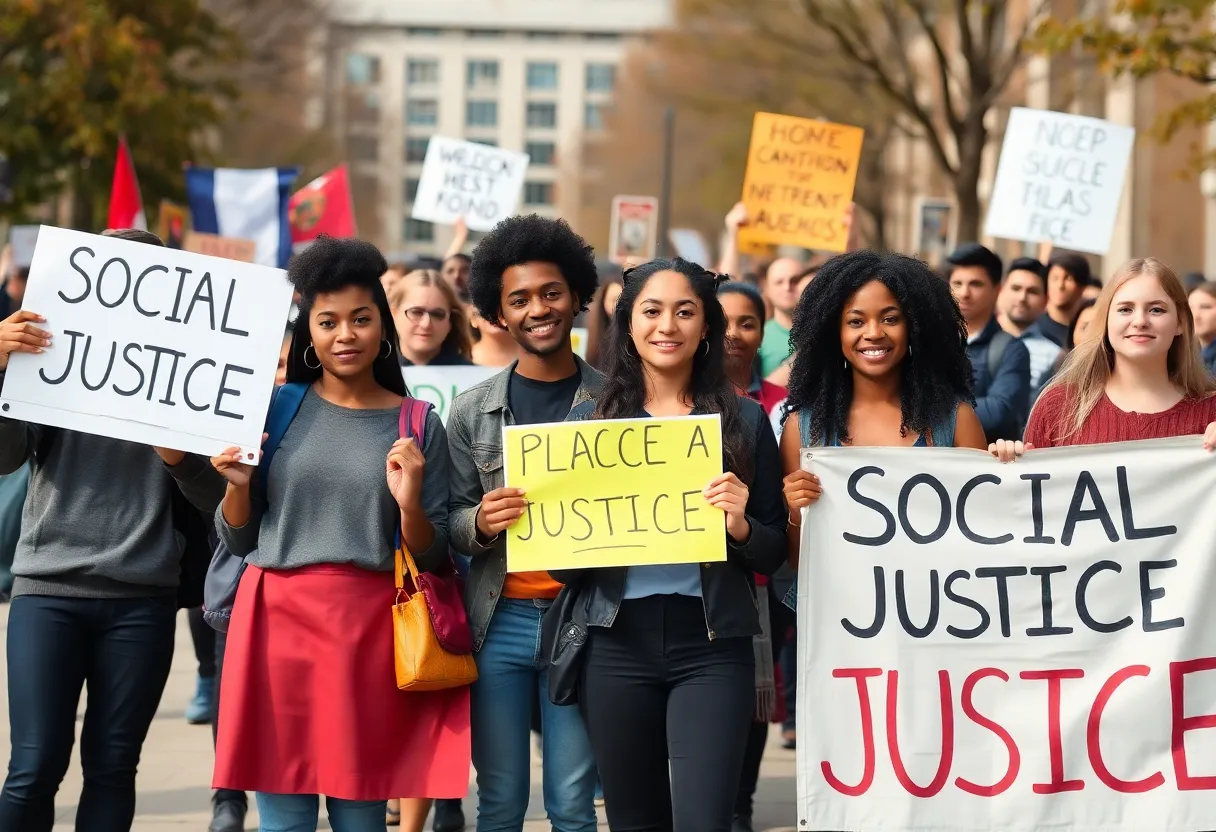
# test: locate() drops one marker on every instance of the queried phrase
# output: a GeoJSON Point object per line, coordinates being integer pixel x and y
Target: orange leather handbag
{"type": "Point", "coordinates": [422, 660]}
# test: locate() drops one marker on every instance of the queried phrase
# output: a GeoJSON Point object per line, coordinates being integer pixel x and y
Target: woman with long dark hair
{"type": "Point", "coordinates": [310, 704]}
{"type": "Point", "coordinates": [669, 650]}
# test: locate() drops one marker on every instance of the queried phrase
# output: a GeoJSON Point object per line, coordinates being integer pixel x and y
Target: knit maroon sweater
{"type": "Point", "coordinates": [1108, 423]}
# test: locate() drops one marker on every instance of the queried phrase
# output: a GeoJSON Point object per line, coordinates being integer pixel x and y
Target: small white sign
{"type": "Point", "coordinates": [1059, 180]}
{"type": "Point", "coordinates": [441, 385]}
{"type": "Point", "coordinates": [470, 180]}
{"type": "Point", "coordinates": [23, 238]}
{"type": "Point", "coordinates": [150, 344]}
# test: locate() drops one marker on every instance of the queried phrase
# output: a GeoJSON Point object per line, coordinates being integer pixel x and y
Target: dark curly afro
{"type": "Point", "coordinates": [530, 239]}
{"type": "Point", "coordinates": [935, 373]}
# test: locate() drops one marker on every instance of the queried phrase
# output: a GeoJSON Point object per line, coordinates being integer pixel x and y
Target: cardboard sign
{"type": "Point", "coordinates": [150, 345]}
{"type": "Point", "coordinates": [23, 238]}
{"type": "Point", "coordinates": [622, 492]}
{"type": "Point", "coordinates": [633, 231]}
{"type": "Point", "coordinates": [470, 180]}
{"type": "Point", "coordinates": [1059, 180]}
{"type": "Point", "coordinates": [1019, 647]}
{"type": "Point", "coordinates": [171, 222]}
{"type": "Point", "coordinates": [441, 385]}
{"type": "Point", "coordinates": [215, 246]}
{"type": "Point", "coordinates": [799, 181]}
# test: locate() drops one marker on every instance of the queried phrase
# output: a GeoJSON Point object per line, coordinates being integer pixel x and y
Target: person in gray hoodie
{"type": "Point", "coordinates": [94, 602]}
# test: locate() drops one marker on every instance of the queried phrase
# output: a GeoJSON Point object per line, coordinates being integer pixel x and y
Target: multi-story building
{"type": "Point", "coordinates": [526, 75]}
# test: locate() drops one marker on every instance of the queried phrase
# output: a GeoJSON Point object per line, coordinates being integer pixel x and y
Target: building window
{"type": "Point", "coordinates": [418, 32]}
{"type": "Point", "coordinates": [541, 114]}
{"type": "Point", "coordinates": [601, 77]}
{"type": "Point", "coordinates": [542, 76]}
{"type": "Point", "coordinates": [537, 35]}
{"type": "Point", "coordinates": [415, 148]}
{"type": "Point", "coordinates": [486, 142]}
{"type": "Point", "coordinates": [363, 148]}
{"type": "Point", "coordinates": [422, 71]}
{"type": "Point", "coordinates": [538, 193]}
{"type": "Point", "coordinates": [362, 70]}
{"type": "Point", "coordinates": [484, 34]}
{"type": "Point", "coordinates": [422, 112]}
{"type": "Point", "coordinates": [481, 113]}
{"type": "Point", "coordinates": [411, 190]}
{"type": "Point", "coordinates": [540, 153]}
{"type": "Point", "coordinates": [482, 74]}
{"type": "Point", "coordinates": [603, 36]}
{"type": "Point", "coordinates": [593, 117]}
{"type": "Point", "coordinates": [417, 231]}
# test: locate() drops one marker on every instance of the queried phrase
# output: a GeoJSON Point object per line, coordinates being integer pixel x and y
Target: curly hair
{"type": "Point", "coordinates": [623, 393]}
{"type": "Point", "coordinates": [529, 239]}
{"type": "Point", "coordinates": [935, 374]}
{"type": "Point", "coordinates": [330, 265]}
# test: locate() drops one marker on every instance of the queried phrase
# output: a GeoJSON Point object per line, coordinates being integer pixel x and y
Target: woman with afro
{"type": "Point", "coordinates": [882, 361]}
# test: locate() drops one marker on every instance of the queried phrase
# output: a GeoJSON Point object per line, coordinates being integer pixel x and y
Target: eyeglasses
{"type": "Point", "coordinates": [415, 314]}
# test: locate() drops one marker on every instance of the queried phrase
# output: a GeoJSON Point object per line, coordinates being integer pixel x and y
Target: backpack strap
{"type": "Point", "coordinates": [412, 421]}
{"type": "Point", "coordinates": [285, 403]}
{"type": "Point", "coordinates": [996, 351]}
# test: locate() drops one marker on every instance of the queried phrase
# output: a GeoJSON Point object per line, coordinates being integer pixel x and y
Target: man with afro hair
{"type": "Point", "coordinates": [530, 276]}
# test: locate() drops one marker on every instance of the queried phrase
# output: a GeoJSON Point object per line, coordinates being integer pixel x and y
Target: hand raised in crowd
{"type": "Point", "coordinates": [801, 489]}
{"type": "Point", "coordinates": [232, 468]}
{"type": "Point", "coordinates": [737, 218]}
{"type": "Point", "coordinates": [1008, 450]}
{"type": "Point", "coordinates": [19, 334]}
{"type": "Point", "coordinates": [727, 492]}
{"type": "Point", "coordinates": [403, 469]}
{"type": "Point", "coordinates": [499, 511]}
{"type": "Point", "coordinates": [1209, 438]}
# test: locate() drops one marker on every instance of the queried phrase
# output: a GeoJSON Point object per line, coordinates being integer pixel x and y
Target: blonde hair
{"type": "Point", "coordinates": [1086, 370]}
{"type": "Point", "coordinates": [458, 338]}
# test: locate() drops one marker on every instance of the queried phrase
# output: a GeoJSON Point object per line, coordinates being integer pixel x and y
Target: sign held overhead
{"type": "Point", "coordinates": [470, 180]}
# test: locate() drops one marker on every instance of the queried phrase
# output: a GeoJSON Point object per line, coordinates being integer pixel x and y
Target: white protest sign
{"type": "Point", "coordinates": [1059, 180]}
{"type": "Point", "coordinates": [633, 229]}
{"type": "Point", "coordinates": [1018, 647]}
{"type": "Point", "coordinates": [441, 385]}
{"type": "Point", "coordinates": [470, 180]}
{"type": "Point", "coordinates": [23, 238]}
{"type": "Point", "coordinates": [150, 344]}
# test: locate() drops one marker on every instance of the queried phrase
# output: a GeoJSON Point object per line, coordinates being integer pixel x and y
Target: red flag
{"type": "Point", "coordinates": [323, 206]}
{"type": "Point", "coordinates": [126, 207]}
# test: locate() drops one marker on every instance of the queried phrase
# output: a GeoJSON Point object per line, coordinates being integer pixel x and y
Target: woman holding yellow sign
{"type": "Point", "coordinates": [669, 648]}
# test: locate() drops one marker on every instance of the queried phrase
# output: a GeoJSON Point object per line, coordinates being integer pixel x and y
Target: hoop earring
{"type": "Point", "coordinates": [388, 344]}
{"type": "Point", "coordinates": [909, 350]}
{"type": "Point", "coordinates": [629, 352]}
{"type": "Point", "coordinates": [706, 353]}
{"type": "Point", "coordinates": [314, 355]}
{"type": "Point", "coordinates": [846, 365]}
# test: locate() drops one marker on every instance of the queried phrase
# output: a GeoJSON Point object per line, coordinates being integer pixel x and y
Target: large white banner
{"type": "Point", "coordinates": [150, 344]}
{"type": "Point", "coordinates": [1009, 647]}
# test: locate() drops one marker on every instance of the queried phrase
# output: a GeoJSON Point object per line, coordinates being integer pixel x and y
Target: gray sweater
{"type": "Point", "coordinates": [329, 500]}
{"type": "Point", "coordinates": [98, 520]}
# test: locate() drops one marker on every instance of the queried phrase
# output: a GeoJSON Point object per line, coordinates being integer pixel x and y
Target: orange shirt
{"type": "Point", "coordinates": [528, 585]}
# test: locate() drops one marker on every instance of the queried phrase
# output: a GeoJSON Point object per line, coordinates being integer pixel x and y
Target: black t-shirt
{"type": "Point", "coordinates": [537, 402]}
{"type": "Point", "coordinates": [1055, 332]}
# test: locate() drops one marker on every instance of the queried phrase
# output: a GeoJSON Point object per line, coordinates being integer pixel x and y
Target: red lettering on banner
{"type": "Point", "coordinates": [1015, 757]}
{"type": "Point", "coordinates": [860, 675]}
{"type": "Point", "coordinates": [943, 766]}
{"type": "Point", "coordinates": [1054, 742]}
{"type": "Point", "coordinates": [1182, 724]}
{"type": "Point", "coordinates": [1094, 739]}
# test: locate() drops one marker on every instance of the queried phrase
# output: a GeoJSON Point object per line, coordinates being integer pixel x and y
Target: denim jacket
{"type": "Point", "coordinates": [475, 444]}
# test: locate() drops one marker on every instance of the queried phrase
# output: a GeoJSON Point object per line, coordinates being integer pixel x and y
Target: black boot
{"type": "Point", "coordinates": [228, 816]}
{"type": "Point", "coordinates": [449, 816]}
{"type": "Point", "coordinates": [742, 823]}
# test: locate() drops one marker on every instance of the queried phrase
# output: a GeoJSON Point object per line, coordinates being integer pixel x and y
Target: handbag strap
{"type": "Point", "coordinates": [411, 422]}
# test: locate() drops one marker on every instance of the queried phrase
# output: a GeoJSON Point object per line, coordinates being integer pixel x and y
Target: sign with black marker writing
{"type": "Point", "coordinates": [150, 344]}
{"type": "Point", "coordinates": [1059, 180]}
{"type": "Point", "coordinates": [1020, 647]}
{"type": "Point", "coordinates": [470, 180]}
{"type": "Point", "coordinates": [614, 492]}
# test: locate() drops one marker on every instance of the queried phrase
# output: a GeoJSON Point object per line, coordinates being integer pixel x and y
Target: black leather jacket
{"type": "Point", "coordinates": [728, 588]}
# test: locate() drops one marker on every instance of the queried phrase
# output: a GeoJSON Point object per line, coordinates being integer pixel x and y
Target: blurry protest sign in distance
{"type": "Point", "coordinates": [470, 180]}
{"type": "Point", "coordinates": [633, 232]}
{"type": "Point", "coordinates": [149, 344]}
{"type": "Point", "coordinates": [799, 181]}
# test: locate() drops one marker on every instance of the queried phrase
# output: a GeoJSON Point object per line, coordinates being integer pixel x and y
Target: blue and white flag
{"type": "Point", "coordinates": [246, 205]}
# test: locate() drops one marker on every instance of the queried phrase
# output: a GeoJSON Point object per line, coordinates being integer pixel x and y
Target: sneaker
{"type": "Point", "coordinates": [198, 711]}
{"type": "Point", "coordinates": [228, 816]}
{"type": "Point", "coordinates": [449, 816]}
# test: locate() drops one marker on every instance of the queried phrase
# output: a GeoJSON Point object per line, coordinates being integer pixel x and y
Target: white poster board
{"type": "Point", "coordinates": [633, 229]}
{"type": "Point", "coordinates": [150, 344]}
{"type": "Point", "coordinates": [689, 244]}
{"type": "Point", "coordinates": [1059, 180]}
{"type": "Point", "coordinates": [23, 239]}
{"type": "Point", "coordinates": [470, 180]}
{"type": "Point", "coordinates": [1051, 619]}
{"type": "Point", "coordinates": [441, 385]}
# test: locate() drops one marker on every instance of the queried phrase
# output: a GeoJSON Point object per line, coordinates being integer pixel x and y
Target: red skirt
{"type": "Point", "coordinates": [310, 705]}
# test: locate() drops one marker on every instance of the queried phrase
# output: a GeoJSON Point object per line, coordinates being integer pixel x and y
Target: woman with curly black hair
{"type": "Point", "coordinates": [882, 361]}
{"type": "Point", "coordinates": [669, 648]}
{"type": "Point", "coordinates": [310, 704]}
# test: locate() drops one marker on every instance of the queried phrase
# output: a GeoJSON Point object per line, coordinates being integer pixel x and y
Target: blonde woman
{"type": "Point", "coordinates": [1136, 374]}
{"type": "Point", "coordinates": [432, 322]}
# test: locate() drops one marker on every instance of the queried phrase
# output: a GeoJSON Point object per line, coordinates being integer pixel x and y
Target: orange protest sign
{"type": "Point", "coordinates": [230, 247]}
{"type": "Point", "coordinates": [799, 180]}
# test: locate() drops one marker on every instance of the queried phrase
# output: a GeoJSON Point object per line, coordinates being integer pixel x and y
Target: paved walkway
{"type": "Point", "coordinates": [176, 767]}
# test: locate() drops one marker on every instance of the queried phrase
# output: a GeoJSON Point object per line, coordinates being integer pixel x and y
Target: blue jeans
{"type": "Point", "coordinates": [298, 813]}
{"type": "Point", "coordinates": [511, 674]}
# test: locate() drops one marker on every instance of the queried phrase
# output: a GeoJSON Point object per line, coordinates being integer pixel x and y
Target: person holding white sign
{"type": "Point", "coordinates": [97, 569]}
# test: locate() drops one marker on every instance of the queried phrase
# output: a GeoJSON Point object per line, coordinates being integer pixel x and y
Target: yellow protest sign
{"type": "Point", "coordinates": [799, 180]}
{"type": "Point", "coordinates": [621, 492]}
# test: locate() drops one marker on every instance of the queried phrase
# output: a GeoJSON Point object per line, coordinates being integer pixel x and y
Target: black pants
{"type": "Point", "coordinates": [122, 650]}
{"type": "Point", "coordinates": [204, 642]}
{"type": "Point", "coordinates": [221, 642]}
{"type": "Point", "coordinates": [656, 691]}
{"type": "Point", "coordinates": [757, 737]}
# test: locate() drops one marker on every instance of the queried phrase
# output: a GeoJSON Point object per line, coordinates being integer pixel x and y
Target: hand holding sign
{"type": "Point", "coordinates": [404, 469]}
{"type": "Point", "coordinates": [231, 466]}
{"type": "Point", "coordinates": [801, 488]}
{"type": "Point", "coordinates": [18, 334]}
{"type": "Point", "coordinates": [727, 493]}
{"type": "Point", "coordinates": [500, 509]}
{"type": "Point", "coordinates": [1008, 450]}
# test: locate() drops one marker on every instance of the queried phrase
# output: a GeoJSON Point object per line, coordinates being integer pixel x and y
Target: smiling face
{"type": "Point", "coordinates": [1203, 307]}
{"type": "Point", "coordinates": [873, 331]}
{"type": "Point", "coordinates": [346, 331]}
{"type": "Point", "coordinates": [423, 321]}
{"type": "Point", "coordinates": [538, 307]}
{"type": "Point", "coordinates": [1143, 322]}
{"type": "Point", "coordinates": [744, 331]}
{"type": "Point", "coordinates": [667, 322]}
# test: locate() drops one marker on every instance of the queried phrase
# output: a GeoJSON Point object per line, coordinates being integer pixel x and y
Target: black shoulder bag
{"type": "Point", "coordinates": [563, 639]}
